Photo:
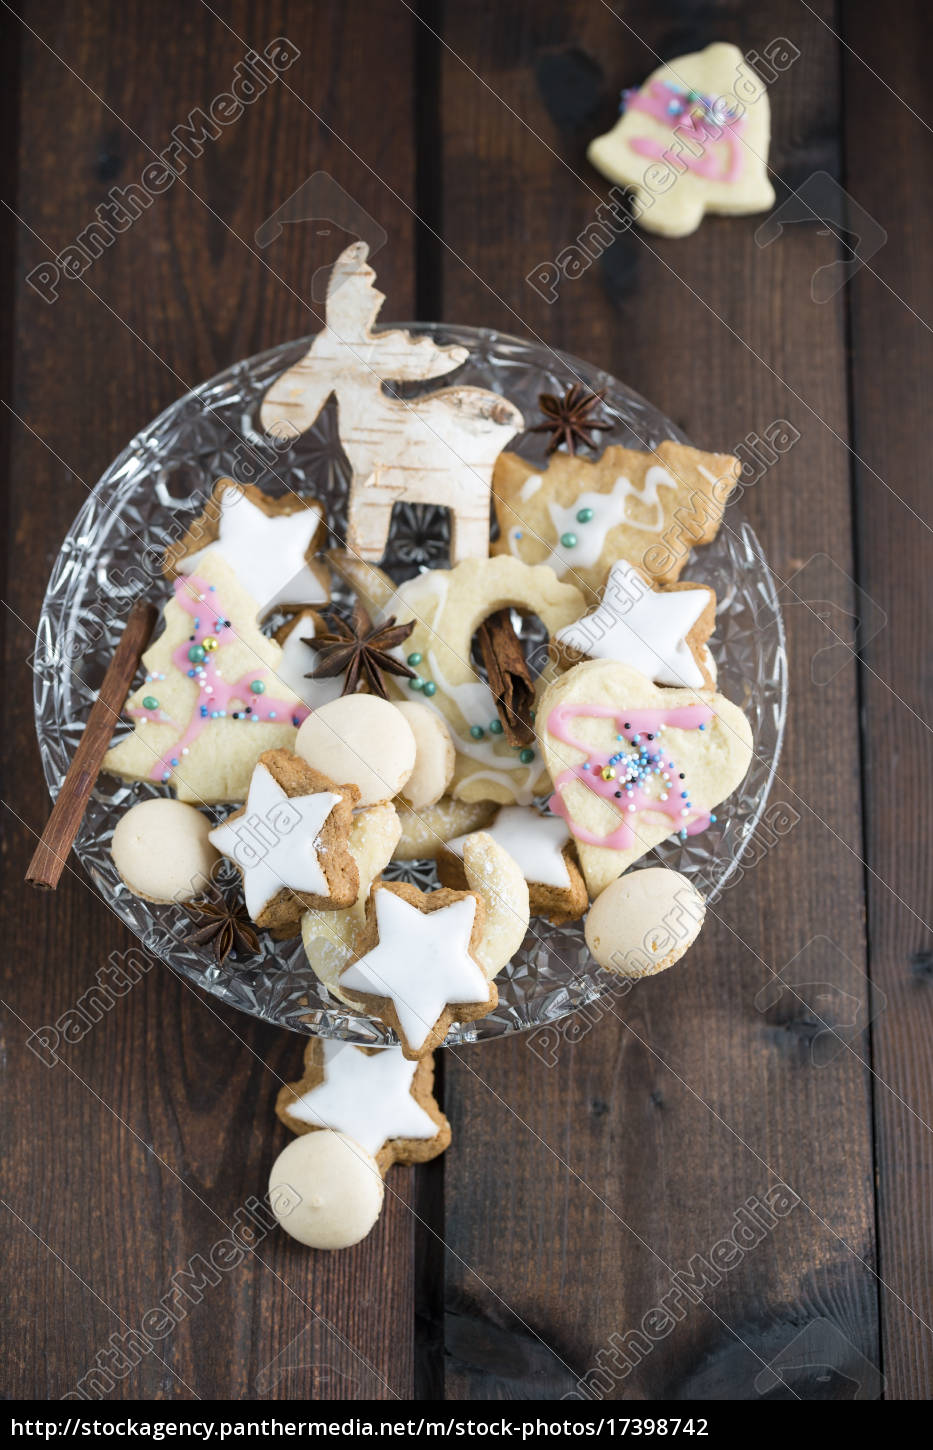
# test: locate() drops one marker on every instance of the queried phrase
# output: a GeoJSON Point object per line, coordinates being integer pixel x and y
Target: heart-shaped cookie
{"type": "Point", "coordinates": [633, 763]}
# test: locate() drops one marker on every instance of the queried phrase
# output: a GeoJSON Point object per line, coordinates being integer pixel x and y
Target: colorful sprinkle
{"type": "Point", "coordinates": [584, 516]}
{"type": "Point", "coordinates": [197, 654]}
{"type": "Point", "coordinates": [416, 684]}
{"type": "Point", "coordinates": [258, 687]}
{"type": "Point", "coordinates": [527, 756]}
{"type": "Point", "coordinates": [150, 702]}
{"type": "Point", "coordinates": [429, 687]}
{"type": "Point", "coordinates": [414, 659]}
{"type": "Point", "coordinates": [568, 541]}
{"type": "Point", "coordinates": [495, 727]}
{"type": "Point", "coordinates": [477, 732]}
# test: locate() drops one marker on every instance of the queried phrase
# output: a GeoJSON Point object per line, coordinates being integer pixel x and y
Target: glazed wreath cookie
{"type": "Point", "coordinates": [580, 517]}
{"type": "Point", "coordinates": [290, 841]}
{"type": "Point", "coordinates": [633, 763]}
{"type": "Point", "coordinates": [694, 138]}
{"type": "Point", "coordinates": [377, 1096]}
{"type": "Point", "coordinates": [448, 606]}
{"type": "Point", "coordinates": [660, 631]}
{"type": "Point", "coordinates": [269, 544]}
{"type": "Point", "coordinates": [211, 702]}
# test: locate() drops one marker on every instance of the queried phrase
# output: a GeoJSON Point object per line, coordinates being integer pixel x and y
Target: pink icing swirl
{"type": "Point", "coordinates": [698, 122]}
{"type": "Point", "coordinates": [215, 695]}
{"type": "Point", "coordinates": [634, 726]}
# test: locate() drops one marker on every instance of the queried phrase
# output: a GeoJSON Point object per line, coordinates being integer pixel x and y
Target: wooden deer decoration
{"type": "Point", "coordinates": [439, 448]}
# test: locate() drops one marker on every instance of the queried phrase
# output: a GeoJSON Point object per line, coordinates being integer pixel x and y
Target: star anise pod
{"type": "Point", "coordinates": [360, 650]}
{"type": "Point", "coordinates": [221, 924]}
{"type": "Point", "coordinates": [569, 418]}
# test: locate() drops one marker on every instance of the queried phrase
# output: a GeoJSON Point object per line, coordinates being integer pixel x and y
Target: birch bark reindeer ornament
{"type": "Point", "coordinates": [439, 448]}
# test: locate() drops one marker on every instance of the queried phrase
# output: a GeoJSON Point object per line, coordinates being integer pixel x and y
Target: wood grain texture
{"type": "Point", "coordinates": [129, 1176]}
{"type": "Point", "coordinates": [888, 173]}
{"type": "Point", "coordinates": [577, 1189]}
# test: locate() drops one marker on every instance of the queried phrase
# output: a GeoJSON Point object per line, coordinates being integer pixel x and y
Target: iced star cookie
{"type": "Point", "coordinates": [580, 517]}
{"type": "Point", "coordinates": [211, 701]}
{"type": "Point", "coordinates": [290, 842]}
{"type": "Point", "coordinates": [418, 972]}
{"type": "Point", "coordinates": [332, 938]}
{"type": "Point", "coordinates": [300, 658]}
{"type": "Point", "coordinates": [541, 847]}
{"type": "Point", "coordinates": [448, 606]}
{"type": "Point", "coordinates": [377, 1096]}
{"type": "Point", "coordinates": [693, 139]}
{"type": "Point", "coordinates": [661, 632]}
{"type": "Point", "coordinates": [633, 763]}
{"type": "Point", "coordinates": [269, 543]}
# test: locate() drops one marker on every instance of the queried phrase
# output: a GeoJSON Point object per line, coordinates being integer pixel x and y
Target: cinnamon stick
{"type": "Point", "coordinates": [49, 857]}
{"type": "Point", "coordinates": [509, 676]}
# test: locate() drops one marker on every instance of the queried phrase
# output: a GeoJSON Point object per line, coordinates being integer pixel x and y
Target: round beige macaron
{"type": "Point", "coordinates": [643, 922]}
{"type": "Point", "coordinates": [326, 1190]}
{"type": "Point", "coordinates": [161, 849]}
{"type": "Point", "coordinates": [435, 756]}
{"type": "Point", "coordinates": [360, 740]}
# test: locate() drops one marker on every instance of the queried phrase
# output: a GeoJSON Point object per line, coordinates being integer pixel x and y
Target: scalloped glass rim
{"type": "Point", "coordinates": [168, 469]}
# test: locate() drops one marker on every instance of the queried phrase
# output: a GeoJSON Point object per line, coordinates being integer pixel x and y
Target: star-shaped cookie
{"type": "Point", "coordinates": [580, 517]}
{"type": "Point", "coordinates": [419, 974]}
{"type": "Point", "coordinates": [267, 542]}
{"type": "Point", "coordinates": [693, 139]}
{"type": "Point", "coordinates": [290, 841]}
{"type": "Point", "coordinates": [660, 632]}
{"type": "Point", "coordinates": [377, 1096]}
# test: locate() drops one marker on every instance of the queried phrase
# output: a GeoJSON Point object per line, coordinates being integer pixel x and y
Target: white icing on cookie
{"type": "Point", "coordinates": [535, 842]}
{"type": "Point", "coordinates": [421, 962]}
{"type": "Point", "coordinates": [642, 627]}
{"type": "Point", "coordinates": [365, 1095]}
{"type": "Point", "coordinates": [530, 487]}
{"type": "Point", "coordinates": [298, 659]}
{"type": "Point", "coordinates": [607, 510]}
{"type": "Point", "coordinates": [275, 842]}
{"type": "Point", "coordinates": [265, 551]}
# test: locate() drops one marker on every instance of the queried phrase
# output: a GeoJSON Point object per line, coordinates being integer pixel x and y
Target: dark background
{"type": "Point", "coordinates": [572, 1192]}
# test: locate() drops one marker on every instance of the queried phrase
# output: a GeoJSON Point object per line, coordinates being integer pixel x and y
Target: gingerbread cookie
{"type": "Point", "coordinates": [377, 1096]}
{"type": "Point", "coordinates": [448, 606]}
{"type": "Point", "coordinates": [633, 763]}
{"type": "Point", "coordinates": [542, 849]}
{"type": "Point", "coordinates": [269, 543]}
{"type": "Point", "coordinates": [424, 832]}
{"type": "Point", "coordinates": [161, 849]}
{"type": "Point", "coordinates": [579, 517]}
{"type": "Point", "coordinates": [693, 139]}
{"type": "Point", "coordinates": [661, 632]}
{"type": "Point", "coordinates": [332, 938]}
{"type": "Point", "coordinates": [211, 702]}
{"type": "Point", "coordinates": [290, 842]}
{"type": "Point", "coordinates": [326, 1191]}
{"type": "Point", "coordinates": [361, 739]}
{"type": "Point", "coordinates": [644, 922]}
{"type": "Point", "coordinates": [418, 972]}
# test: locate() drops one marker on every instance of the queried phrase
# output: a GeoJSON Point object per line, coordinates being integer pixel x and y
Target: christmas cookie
{"type": "Point", "coordinates": [361, 739]}
{"type": "Point", "coordinates": [541, 847]}
{"type": "Point", "coordinates": [495, 878]}
{"type": "Point", "coordinates": [326, 1191]}
{"type": "Point", "coordinates": [290, 841]}
{"type": "Point", "coordinates": [435, 758]}
{"type": "Point", "coordinates": [332, 938]}
{"type": "Point", "coordinates": [448, 606]}
{"type": "Point", "coordinates": [579, 517]}
{"type": "Point", "coordinates": [161, 849]}
{"type": "Point", "coordinates": [661, 632]}
{"type": "Point", "coordinates": [693, 139]}
{"type": "Point", "coordinates": [633, 763]}
{"type": "Point", "coordinates": [418, 972]}
{"type": "Point", "coordinates": [424, 832]}
{"type": "Point", "coordinates": [643, 922]}
{"type": "Point", "coordinates": [269, 543]}
{"type": "Point", "coordinates": [300, 659]}
{"type": "Point", "coordinates": [211, 702]}
{"type": "Point", "coordinates": [377, 1096]}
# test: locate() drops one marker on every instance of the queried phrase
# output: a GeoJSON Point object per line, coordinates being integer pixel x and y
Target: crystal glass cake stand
{"type": "Point", "coordinates": [112, 555]}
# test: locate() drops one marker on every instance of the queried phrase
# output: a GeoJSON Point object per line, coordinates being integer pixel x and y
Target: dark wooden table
{"type": "Point", "coordinates": [578, 1187]}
